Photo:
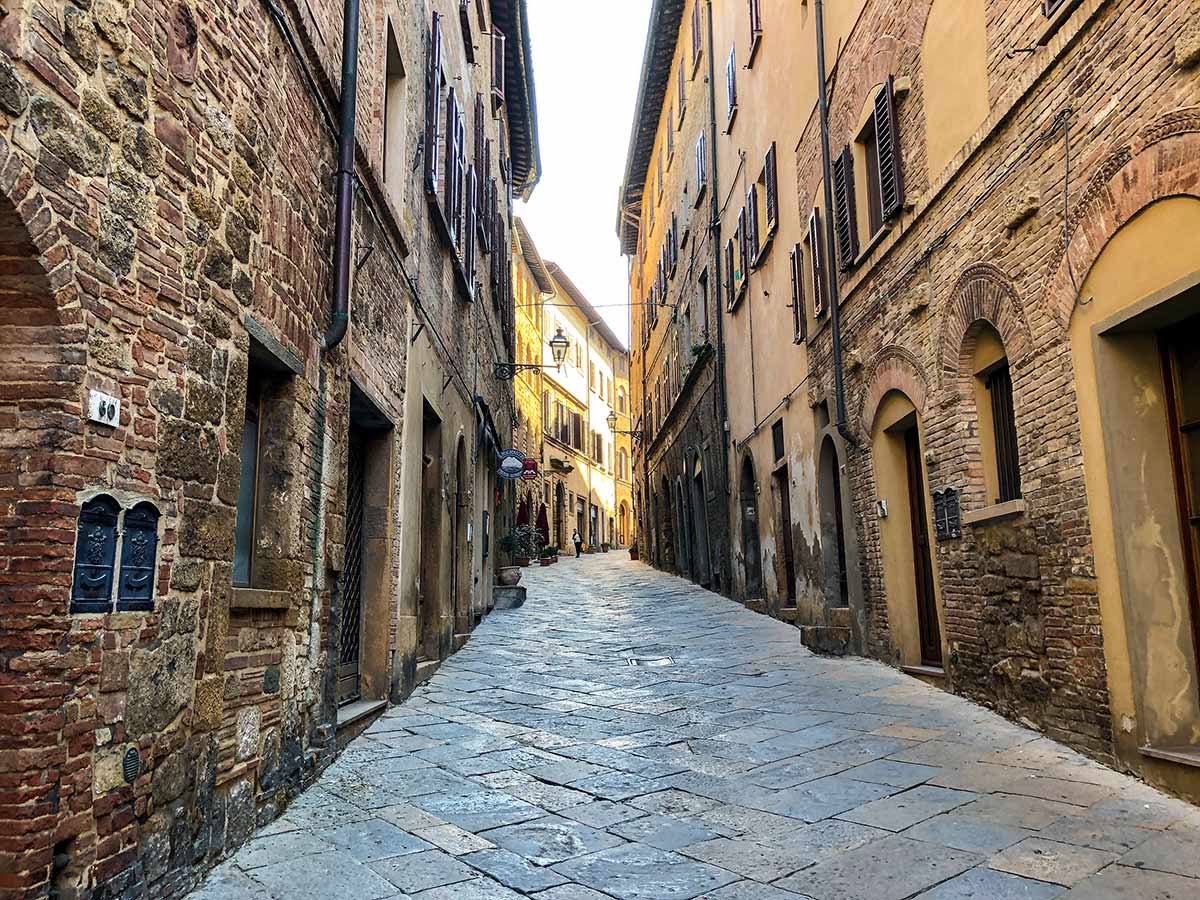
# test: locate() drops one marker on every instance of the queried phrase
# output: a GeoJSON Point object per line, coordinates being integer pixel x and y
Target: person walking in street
{"type": "Point", "coordinates": [578, 542]}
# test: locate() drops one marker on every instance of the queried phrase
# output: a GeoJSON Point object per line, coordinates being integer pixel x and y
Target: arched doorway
{"type": "Point", "coordinates": [751, 544]}
{"type": "Point", "coordinates": [666, 533]}
{"type": "Point", "coordinates": [905, 533]}
{"type": "Point", "coordinates": [681, 528]}
{"type": "Point", "coordinates": [42, 361]}
{"type": "Point", "coordinates": [560, 516]}
{"type": "Point", "coordinates": [835, 575]}
{"type": "Point", "coordinates": [429, 598]}
{"type": "Point", "coordinates": [702, 564]}
{"type": "Point", "coordinates": [460, 567]}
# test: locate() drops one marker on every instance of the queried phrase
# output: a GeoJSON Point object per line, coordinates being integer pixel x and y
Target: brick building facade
{"type": "Point", "coordinates": [1007, 506]}
{"type": "Point", "coordinates": [180, 579]}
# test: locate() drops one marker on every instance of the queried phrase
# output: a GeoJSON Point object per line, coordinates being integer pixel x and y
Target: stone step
{"type": "Point", "coordinates": [826, 639]}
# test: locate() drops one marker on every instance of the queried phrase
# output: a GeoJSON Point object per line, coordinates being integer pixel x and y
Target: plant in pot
{"type": "Point", "coordinates": [634, 553]}
{"type": "Point", "coordinates": [521, 544]}
{"type": "Point", "coordinates": [547, 556]}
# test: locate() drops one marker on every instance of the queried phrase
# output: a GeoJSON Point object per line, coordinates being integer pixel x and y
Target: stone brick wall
{"type": "Point", "coordinates": [980, 242]}
{"type": "Point", "coordinates": [165, 189]}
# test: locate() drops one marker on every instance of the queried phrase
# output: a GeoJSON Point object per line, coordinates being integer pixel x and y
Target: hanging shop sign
{"type": "Point", "coordinates": [531, 470]}
{"type": "Point", "coordinates": [512, 464]}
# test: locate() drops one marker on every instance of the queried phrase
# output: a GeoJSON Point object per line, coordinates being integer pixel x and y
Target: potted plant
{"type": "Point", "coordinates": [605, 547]}
{"type": "Point", "coordinates": [633, 552]}
{"type": "Point", "coordinates": [547, 557]}
{"type": "Point", "coordinates": [521, 544]}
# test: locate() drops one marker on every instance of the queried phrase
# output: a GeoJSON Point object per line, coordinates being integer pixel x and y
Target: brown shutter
{"type": "Point", "coordinates": [751, 229]}
{"type": "Point", "coordinates": [697, 24]}
{"type": "Point", "coordinates": [844, 218]}
{"type": "Point", "coordinates": [469, 232]}
{"type": "Point", "coordinates": [498, 56]}
{"type": "Point", "coordinates": [682, 93]}
{"type": "Point", "coordinates": [887, 134]}
{"type": "Point", "coordinates": [771, 177]}
{"type": "Point", "coordinates": [729, 264]}
{"type": "Point", "coordinates": [816, 248]}
{"type": "Point", "coordinates": [701, 167]}
{"type": "Point", "coordinates": [755, 27]}
{"type": "Point", "coordinates": [451, 185]}
{"type": "Point", "coordinates": [433, 106]}
{"type": "Point", "coordinates": [799, 313]}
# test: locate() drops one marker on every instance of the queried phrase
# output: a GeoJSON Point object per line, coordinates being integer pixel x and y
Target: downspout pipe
{"type": "Point", "coordinates": [715, 230]}
{"type": "Point", "coordinates": [835, 313]}
{"type": "Point", "coordinates": [344, 187]}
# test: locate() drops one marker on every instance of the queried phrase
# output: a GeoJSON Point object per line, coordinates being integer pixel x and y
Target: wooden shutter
{"type": "Point", "coordinates": [799, 313]}
{"type": "Point", "coordinates": [433, 106]}
{"type": "Point", "coordinates": [729, 264]}
{"type": "Point", "coordinates": [452, 185]}
{"type": "Point", "coordinates": [891, 168]}
{"type": "Point", "coordinates": [755, 28]}
{"type": "Point", "coordinates": [771, 179]}
{"type": "Point", "coordinates": [743, 263]}
{"type": "Point", "coordinates": [816, 249]}
{"type": "Point", "coordinates": [697, 24]}
{"type": "Point", "coordinates": [498, 40]}
{"type": "Point", "coordinates": [751, 229]}
{"type": "Point", "coordinates": [844, 219]}
{"type": "Point", "coordinates": [682, 90]}
{"type": "Point", "coordinates": [731, 83]}
{"type": "Point", "coordinates": [469, 231]}
{"type": "Point", "coordinates": [701, 166]}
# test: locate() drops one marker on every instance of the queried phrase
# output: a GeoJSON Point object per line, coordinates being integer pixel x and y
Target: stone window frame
{"type": "Point", "coordinates": [118, 562]}
{"type": "Point", "coordinates": [280, 372]}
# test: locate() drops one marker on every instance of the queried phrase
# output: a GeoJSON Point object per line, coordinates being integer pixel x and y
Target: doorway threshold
{"type": "Point", "coordinates": [934, 675]}
{"type": "Point", "coordinates": [357, 711]}
{"type": "Point", "coordinates": [1185, 755]}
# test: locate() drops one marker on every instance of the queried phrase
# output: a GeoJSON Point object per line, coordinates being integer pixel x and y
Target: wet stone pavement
{"type": "Point", "coordinates": [628, 735]}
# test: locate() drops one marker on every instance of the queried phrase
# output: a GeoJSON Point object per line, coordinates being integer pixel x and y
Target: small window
{"type": "Point", "coordinates": [701, 167]}
{"type": "Point", "coordinates": [756, 30]}
{"type": "Point", "coordinates": [697, 36]}
{"type": "Point", "coordinates": [993, 390]}
{"type": "Point", "coordinates": [246, 525]}
{"type": "Point", "coordinates": [816, 263]}
{"type": "Point", "coordinates": [498, 66]}
{"type": "Point", "coordinates": [876, 153]}
{"type": "Point", "coordinates": [731, 88]}
{"type": "Point", "coordinates": [1050, 7]}
{"type": "Point", "coordinates": [395, 126]}
{"type": "Point", "coordinates": [799, 313]}
{"type": "Point", "coordinates": [682, 91]}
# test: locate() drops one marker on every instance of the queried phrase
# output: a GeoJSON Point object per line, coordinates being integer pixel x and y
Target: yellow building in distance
{"type": "Point", "coordinates": [585, 482]}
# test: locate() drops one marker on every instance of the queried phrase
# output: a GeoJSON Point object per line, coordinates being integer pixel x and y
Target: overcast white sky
{"type": "Point", "coordinates": [587, 59]}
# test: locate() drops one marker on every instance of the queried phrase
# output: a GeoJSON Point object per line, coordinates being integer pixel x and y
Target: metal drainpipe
{"type": "Point", "coordinates": [835, 315]}
{"type": "Point", "coordinates": [345, 180]}
{"type": "Point", "coordinates": [715, 230]}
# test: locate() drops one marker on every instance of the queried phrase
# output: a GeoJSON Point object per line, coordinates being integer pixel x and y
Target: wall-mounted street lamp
{"type": "Point", "coordinates": [559, 345]}
{"type": "Point", "coordinates": [612, 426]}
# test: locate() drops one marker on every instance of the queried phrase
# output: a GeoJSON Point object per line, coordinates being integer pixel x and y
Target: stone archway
{"type": "Point", "coordinates": [42, 365]}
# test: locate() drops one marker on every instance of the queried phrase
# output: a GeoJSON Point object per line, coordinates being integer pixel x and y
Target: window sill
{"type": "Point", "coordinates": [1056, 21]}
{"type": "Point", "coordinates": [876, 239]}
{"type": "Point", "coordinates": [258, 598]}
{"type": "Point", "coordinates": [1185, 755]}
{"type": "Point", "coordinates": [990, 515]}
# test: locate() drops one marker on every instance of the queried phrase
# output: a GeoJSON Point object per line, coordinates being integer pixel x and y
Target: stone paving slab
{"type": "Point", "coordinates": [538, 762]}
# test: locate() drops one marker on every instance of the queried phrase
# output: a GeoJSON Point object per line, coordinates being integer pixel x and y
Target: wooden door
{"type": "Point", "coordinates": [350, 636]}
{"type": "Point", "coordinates": [785, 534]}
{"type": "Point", "coordinates": [927, 614]}
{"type": "Point", "coordinates": [1181, 361]}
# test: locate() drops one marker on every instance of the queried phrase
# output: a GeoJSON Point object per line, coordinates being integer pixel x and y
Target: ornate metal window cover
{"type": "Point", "coordinates": [103, 529]}
{"type": "Point", "coordinates": [95, 552]}
{"type": "Point", "coordinates": [947, 514]}
{"type": "Point", "coordinates": [139, 555]}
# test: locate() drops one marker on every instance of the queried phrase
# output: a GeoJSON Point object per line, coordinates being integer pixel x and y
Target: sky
{"type": "Point", "coordinates": [587, 60]}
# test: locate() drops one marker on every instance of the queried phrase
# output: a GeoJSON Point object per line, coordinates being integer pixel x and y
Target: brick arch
{"type": "Point", "coordinates": [894, 369]}
{"type": "Point", "coordinates": [982, 294]}
{"type": "Point", "coordinates": [1164, 163]}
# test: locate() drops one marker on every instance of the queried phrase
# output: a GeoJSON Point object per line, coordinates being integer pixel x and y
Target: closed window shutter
{"type": "Point", "coordinates": [743, 243]}
{"type": "Point", "coordinates": [701, 166]}
{"type": "Point", "coordinates": [844, 219]}
{"type": "Point", "coordinates": [887, 134]}
{"type": "Point", "coordinates": [497, 64]}
{"type": "Point", "coordinates": [433, 106]}
{"type": "Point", "coordinates": [452, 185]}
{"type": "Point", "coordinates": [751, 228]}
{"type": "Point", "coordinates": [469, 232]}
{"type": "Point", "coordinates": [817, 262]}
{"type": "Point", "coordinates": [696, 34]}
{"type": "Point", "coordinates": [460, 170]}
{"type": "Point", "coordinates": [799, 314]}
{"type": "Point", "coordinates": [771, 178]}
{"type": "Point", "coordinates": [682, 92]}
{"type": "Point", "coordinates": [729, 264]}
{"type": "Point", "coordinates": [755, 27]}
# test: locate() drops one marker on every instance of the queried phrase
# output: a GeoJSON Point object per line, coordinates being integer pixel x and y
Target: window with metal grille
{"type": "Point", "coordinates": [1008, 463]}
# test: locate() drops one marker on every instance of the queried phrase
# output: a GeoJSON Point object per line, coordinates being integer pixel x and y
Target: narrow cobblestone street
{"type": "Point", "coordinates": [630, 735]}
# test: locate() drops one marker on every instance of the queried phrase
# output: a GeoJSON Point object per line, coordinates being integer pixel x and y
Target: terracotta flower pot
{"type": "Point", "coordinates": [546, 561]}
{"type": "Point", "coordinates": [633, 553]}
{"type": "Point", "coordinates": [509, 576]}
{"type": "Point", "coordinates": [521, 561]}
